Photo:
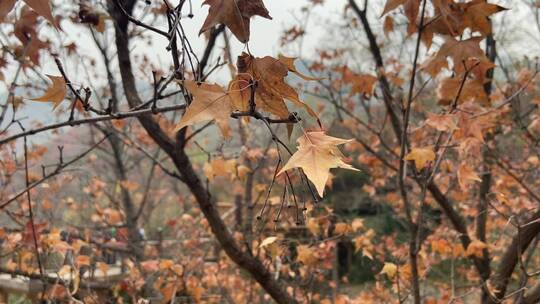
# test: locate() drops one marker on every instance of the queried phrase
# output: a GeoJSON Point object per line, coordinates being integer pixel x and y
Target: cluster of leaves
{"type": "Point", "coordinates": [437, 155]}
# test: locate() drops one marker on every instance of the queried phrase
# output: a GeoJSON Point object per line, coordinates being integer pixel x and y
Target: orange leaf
{"type": "Point", "coordinates": [421, 156]}
{"type": "Point", "coordinates": [55, 93]}
{"type": "Point", "coordinates": [476, 248]}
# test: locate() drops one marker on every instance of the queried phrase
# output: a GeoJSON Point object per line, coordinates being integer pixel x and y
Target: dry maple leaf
{"type": "Point", "coordinates": [210, 102]}
{"type": "Point", "coordinates": [451, 19]}
{"type": "Point", "coordinates": [475, 127]}
{"type": "Point", "coordinates": [271, 91]}
{"type": "Point", "coordinates": [434, 65]}
{"type": "Point", "coordinates": [465, 175]}
{"type": "Point", "coordinates": [412, 8]}
{"type": "Point", "coordinates": [235, 14]}
{"type": "Point", "coordinates": [30, 228]}
{"type": "Point", "coordinates": [43, 8]}
{"type": "Point", "coordinates": [471, 91]}
{"type": "Point", "coordinates": [477, 15]}
{"type": "Point", "coordinates": [421, 156]}
{"type": "Point", "coordinates": [465, 55]}
{"type": "Point", "coordinates": [363, 84]}
{"type": "Point", "coordinates": [317, 154]}
{"type": "Point", "coordinates": [55, 93]}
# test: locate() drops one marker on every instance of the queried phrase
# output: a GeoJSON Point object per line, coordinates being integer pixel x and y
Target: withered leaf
{"type": "Point", "coordinates": [317, 153]}
{"type": "Point", "coordinates": [235, 14]}
{"type": "Point", "coordinates": [210, 102]}
{"type": "Point", "coordinates": [55, 93]}
{"type": "Point", "coordinates": [471, 91]}
{"type": "Point", "coordinates": [271, 91]}
{"type": "Point", "coordinates": [43, 8]}
{"type": "Point", "coordinates": [477, 15]}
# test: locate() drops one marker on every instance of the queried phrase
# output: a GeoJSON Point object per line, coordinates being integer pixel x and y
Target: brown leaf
{"type": "Point", "coordinates": [43, 8]}
{"type": "Point", "coordinates": [434, 66]}
{"type": "Point", "coordinates": [210, 102]}
{"type": "Point", "coordinates": [271, 90]}
{"type": "Point", "coordinates": [360, 83]}
{"type": "Point", "coordinates": [465, 55]}
{"type": "Point", "coordinates": [55, 93]}
{"type": "Point", "coordinates": [112, 216]}
{"type": "Point", "coordinates": [235, 14]}
{"type": "Point", "coordinates": [476, 248]}
{"type": "Point", "coordinates": [477, 16]}
{"type": "Point", "coordinates": [472, 91]}
{"type": "Point", "coordinates": [411, 7]}
{"type": "Point", "coordinates": [451, 19]}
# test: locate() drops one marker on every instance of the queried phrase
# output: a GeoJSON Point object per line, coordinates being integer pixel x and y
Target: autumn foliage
{"type": "Point", "coordinates": [162, 165]}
